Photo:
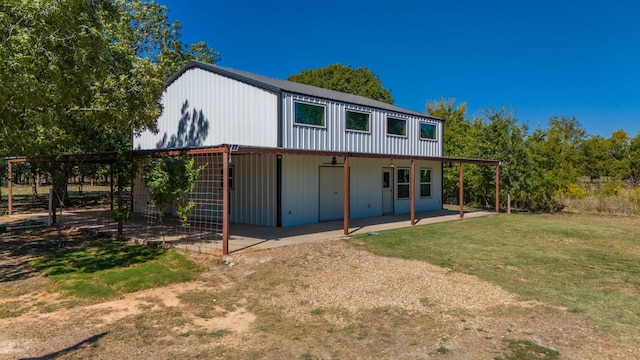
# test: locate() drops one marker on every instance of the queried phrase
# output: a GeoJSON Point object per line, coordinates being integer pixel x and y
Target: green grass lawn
{"type": "Point", "coordinates": [588, 264]}
{"type": "Point", "coordinates": [110, 268]}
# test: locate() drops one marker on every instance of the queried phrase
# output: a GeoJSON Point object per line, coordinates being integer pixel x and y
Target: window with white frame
{"type": "Point", "coordinates": [427, 131]}
{"type": "Point", "coordinates": [396, 127]}
{"type": "Point", "coordinates": [309, 114]}
{"type": "Point", "coordinates": [425, 182]}
{"type": "Point", "coordinates": [357, 121]}
{"type": "Point", "coordinates": [403, 183]}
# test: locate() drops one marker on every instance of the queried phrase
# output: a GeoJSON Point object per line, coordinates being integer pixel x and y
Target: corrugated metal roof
{"type": "Point", "coordinates": [277, 85]}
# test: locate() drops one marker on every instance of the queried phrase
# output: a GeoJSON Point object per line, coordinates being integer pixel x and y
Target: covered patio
{"type": "Point", "coordinates": [243, 237]}
{"type": "Point", "coordinates": [223, 236]}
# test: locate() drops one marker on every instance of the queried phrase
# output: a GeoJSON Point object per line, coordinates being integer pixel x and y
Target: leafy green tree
{"type": "Point", "coordinates": [634, 155]}
{"type": "Point", "coordinates": [555, 152]}
{"type": "Point", "coordinates": [74, 71]}
{"type": "Point", "coordinates": [620, 155]}
{"type": "Point", "coordinates": [503, 138]}
{"type": "Point", "coordinates": [593, 157]}
{"type": "Point", "coordinates": [459, 140]}
{"type": "Point", "coordinates": [358, 81]}
{"type": "Point", "coordinates": [169, 179]}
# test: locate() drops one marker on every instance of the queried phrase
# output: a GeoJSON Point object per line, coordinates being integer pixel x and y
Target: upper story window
{"type": "Point", "coordinates": [357, 121]}
{"type": "Point", "coordinates": [396, 127]}
{"type": "Point", "coordinates": [309, 114]}
{"type": "Point", "coordinates": [427, 131]}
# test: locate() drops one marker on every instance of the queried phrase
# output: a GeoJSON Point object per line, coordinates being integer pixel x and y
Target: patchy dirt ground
{"type": "Point", "coordinates": [324, 300]}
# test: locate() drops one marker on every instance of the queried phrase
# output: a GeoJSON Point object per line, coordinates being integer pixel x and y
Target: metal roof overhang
{"type": "Point", "coordinates": [257, 150]}
{"type": "Point", "coordinates": [110, 157]}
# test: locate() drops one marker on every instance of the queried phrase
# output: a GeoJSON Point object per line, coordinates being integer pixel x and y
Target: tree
{"type": "Point", "coordinates": [169, 179]}
{"type": "Point", "coordinates": [620, 155]}
{"type": "Point", "coordinates": [74, 71]}
{"type": "Point", "coordinates": [593, 157]}
{"type": "Point", "coordinates": [503, 138]}
{"type": "Point", "coordinates": [555, 152]}
{"type": "Point", "coordinates": [458, 140]}
{"type": "Point", "coordinates": [358, 81]}
{"type": "Point", "coordinates": [634, 150]}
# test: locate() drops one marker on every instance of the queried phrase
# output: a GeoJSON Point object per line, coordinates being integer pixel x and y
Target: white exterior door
{"type": "Point", "coordinates": [387, 191]}
{"type": "Point", "coordinates": [331, 193]}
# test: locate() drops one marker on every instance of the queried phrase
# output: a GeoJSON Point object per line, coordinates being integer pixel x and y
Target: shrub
{"type": "Point", "coordinates": [610, 189]}
{"type": "Point", "coordinates": [573, 191]}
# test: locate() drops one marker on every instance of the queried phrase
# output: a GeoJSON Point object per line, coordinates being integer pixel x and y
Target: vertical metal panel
{"type": "Point", "coordinates": [253, 198]}
{"type": "Point", "coordinates": [366, 187]}
{"type": "Point", "coordinates": [334, 135]}
{"type": "Point", "coordinates": [300, 189]}
{"type": "Point", "coordinates": [226, 112]}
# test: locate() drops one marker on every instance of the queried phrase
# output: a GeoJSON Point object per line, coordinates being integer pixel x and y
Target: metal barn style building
{"type": "Point", "coordinates": [297, 154]}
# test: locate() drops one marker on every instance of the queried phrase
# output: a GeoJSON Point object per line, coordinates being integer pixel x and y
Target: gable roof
{"type": "Point", "coordinates": [277, 85]}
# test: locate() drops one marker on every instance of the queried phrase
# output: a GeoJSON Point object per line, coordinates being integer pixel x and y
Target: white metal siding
{"type": "Point", "coordinates": [301, 188]}
{"type": "Point", "coordinates": [300, 185]}
{"type": "Point", "coordinates": [253, 198]}
{"type": "Point", "coordinates": [366, 187]}
{"type": "Point", "coordinates": [232, 112]}
{"type": "Point", "coordinates": [334, 136]}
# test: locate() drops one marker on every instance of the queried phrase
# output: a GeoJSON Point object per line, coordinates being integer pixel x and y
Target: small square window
{"type": "Point", "coordinates": [396, 127]}
{"type": "Point", "coordinates": [357, 121]}
{"type": "Point", "coordinates": [427, 131]}
{"type": "Point", "coordinates": [308, 114]}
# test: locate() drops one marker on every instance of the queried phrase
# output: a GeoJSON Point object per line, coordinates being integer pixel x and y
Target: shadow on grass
{"type": "Point", "coordinates": [103, 256]}
{"type": "Point", "coordinates": [27, 253]}
{"type": "Point", "coordinates": [77, 346]}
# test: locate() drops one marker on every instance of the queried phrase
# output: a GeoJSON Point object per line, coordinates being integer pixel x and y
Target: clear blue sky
{"type": "Point", "coordinates": [543, 58]}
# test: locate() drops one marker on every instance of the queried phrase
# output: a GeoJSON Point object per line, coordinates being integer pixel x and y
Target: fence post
{"type": "Point", "coordinates": [10, 189]}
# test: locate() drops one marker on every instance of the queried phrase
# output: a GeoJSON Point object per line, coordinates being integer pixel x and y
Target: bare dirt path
{"type": "Point", "coordinates": [322, 300]}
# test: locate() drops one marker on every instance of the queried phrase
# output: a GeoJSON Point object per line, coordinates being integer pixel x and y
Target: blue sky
{"type": "Point", "coordinates": [543, 58]}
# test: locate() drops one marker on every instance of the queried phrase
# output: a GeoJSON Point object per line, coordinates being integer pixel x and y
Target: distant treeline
{"type": "Point", "coordinates": [539, 168]}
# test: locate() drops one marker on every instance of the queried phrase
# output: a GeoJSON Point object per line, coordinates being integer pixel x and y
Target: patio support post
{"type": "Point", "coordinates": [9, 188]}
{"type": "Point", "coordinates": [225, 201]}
{"type": "Point", "coordinates": [412, 191]}
{"type": "Point", "coordinates": [498, 187]}
{"type": "Point", "coordinates": [461, 195]}
{"type": "Point", "coordinates": [54, 187]}
{"type": "Point", "coordinates": [346, 195]}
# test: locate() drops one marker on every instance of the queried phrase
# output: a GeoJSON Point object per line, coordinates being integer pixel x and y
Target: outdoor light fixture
{"type": "Point", "coordinates": [334, 162]}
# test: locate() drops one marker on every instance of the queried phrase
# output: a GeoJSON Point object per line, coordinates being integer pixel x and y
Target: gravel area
{"type": "Point", "coordinates": [309, 301]}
